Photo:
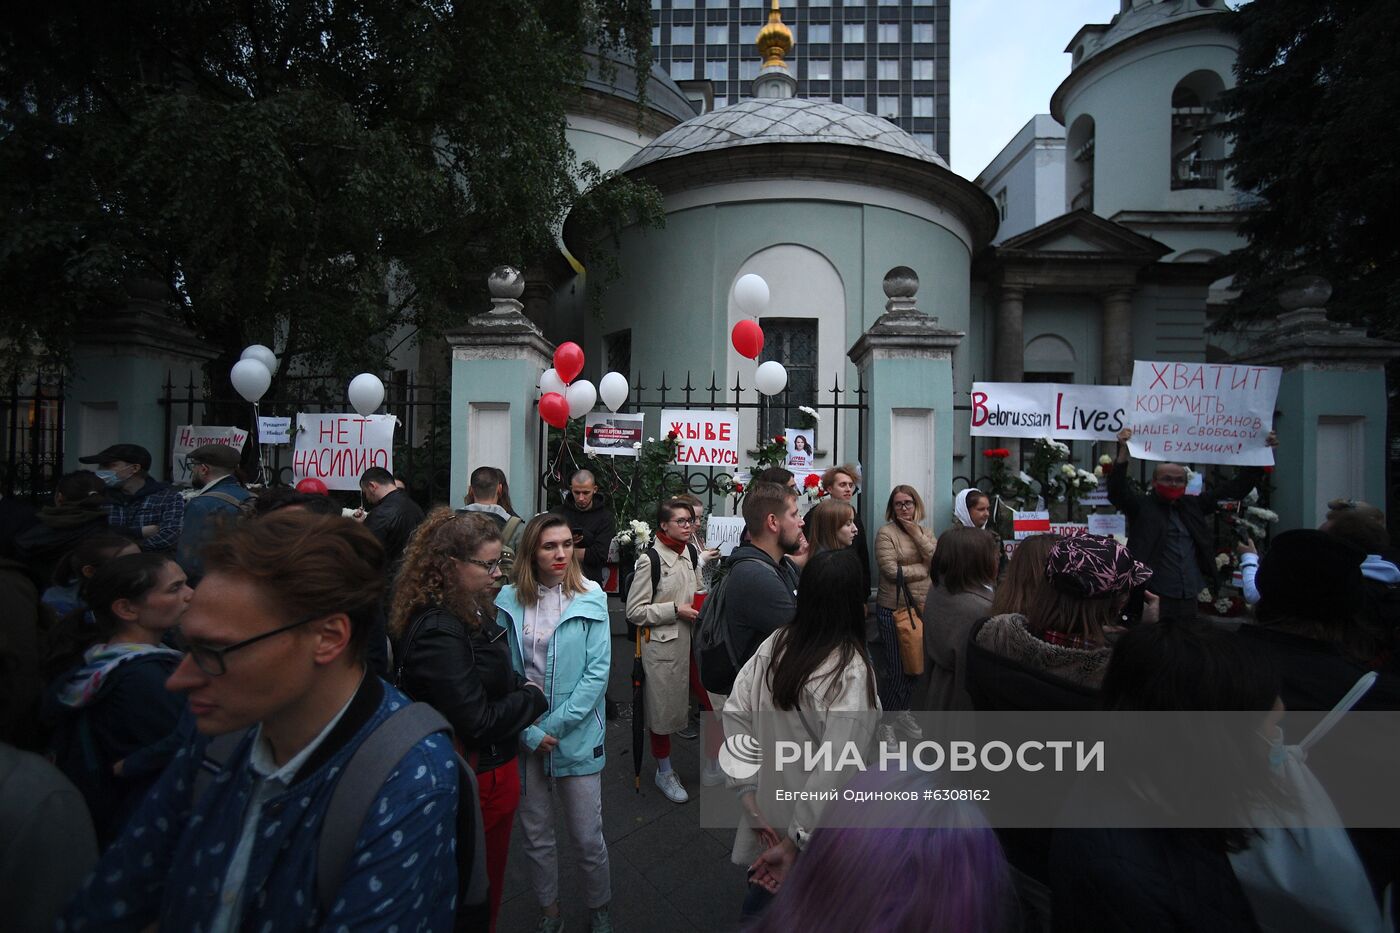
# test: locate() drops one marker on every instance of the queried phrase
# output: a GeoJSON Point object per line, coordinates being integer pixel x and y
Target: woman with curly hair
{"type": "Point", "coordinates": [452, 655]}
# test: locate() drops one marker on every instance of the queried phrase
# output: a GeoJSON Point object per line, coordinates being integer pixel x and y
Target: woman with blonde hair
{"type": "Point", "coordinates": [903, 549]}
{"type": "Point", "coordinates": [451, 654]}
{"type": "Point", "coordinates": [559, 637]}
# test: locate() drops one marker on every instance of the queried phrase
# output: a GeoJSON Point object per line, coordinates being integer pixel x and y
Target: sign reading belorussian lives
{"type": "Point", "coordinates": [1048, 409]}
{"type": "Point", "coordinates": [703, 438]}
{"type": "Point", "coordinates": [1203, 412]}
{"type": "Point", "coordinates": [337, 449]}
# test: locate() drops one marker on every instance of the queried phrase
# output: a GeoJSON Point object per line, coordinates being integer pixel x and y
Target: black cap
{"type": "Point", "coordinates": [218, 455]}
{"type": "Point", "coordinates": [1311, 575]}
{"type": "Point", "coordinates": [127, 453]}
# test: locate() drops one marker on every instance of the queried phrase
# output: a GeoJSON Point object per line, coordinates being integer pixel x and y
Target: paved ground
{"type": "Point", "coordinates": [667, 872]}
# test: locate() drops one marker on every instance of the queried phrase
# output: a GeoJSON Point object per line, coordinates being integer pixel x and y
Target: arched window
{"type": "Point", "coordinates": [1079, 170]}
{"type": "Point", "coordinates": [1197, 147]}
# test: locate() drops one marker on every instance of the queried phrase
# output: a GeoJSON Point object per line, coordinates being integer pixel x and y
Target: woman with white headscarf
{"type": "Point", "coordinates": [972, 508]}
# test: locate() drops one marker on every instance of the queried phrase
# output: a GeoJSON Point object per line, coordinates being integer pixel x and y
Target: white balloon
{"type": "Point", "coordinates": [770, 378]}
{"type": "Point", "coordinates": [550, 382]}
{"type": "Point", "coordinates": [262, 354]}
{"type": "Point", "coordinates": [250, 378]}
{"type": "Point", "coordinates": [582, 397]}
{"type": "Point", "coordinates": [614, 389]}
{"type": "Point", "coordinates": [751, 294]}
{"type": "Point", "coordinates": [366, 393]}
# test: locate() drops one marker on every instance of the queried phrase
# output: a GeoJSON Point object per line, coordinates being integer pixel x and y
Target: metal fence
{"type": "Point", "coordinates": [833, 406]}
{"type": "Point", "coordinates": [33, 438]}
{"type": "Point", "coordinates": [422, 437]}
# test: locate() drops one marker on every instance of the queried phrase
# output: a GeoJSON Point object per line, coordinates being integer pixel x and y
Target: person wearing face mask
{"type": "Point", "coordinates": [1167, 529]}
{"type": "Point", "coordinates": [220, 498]}
{"type": "Point", "coordinates": [149, 511]}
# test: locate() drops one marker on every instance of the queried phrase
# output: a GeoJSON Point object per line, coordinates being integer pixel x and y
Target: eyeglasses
{"type": "Point", "coordinates": [906, 504]}
{"type": "Point", "coordinates": [211, 660]}
{"type": "Point", "coordinates": [683, 522]}
{"type": "Point", "coordinates": [490, 566]}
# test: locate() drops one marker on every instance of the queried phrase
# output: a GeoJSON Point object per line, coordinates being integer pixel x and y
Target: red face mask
{"type": "Point", "coordinates": [1170, 493]}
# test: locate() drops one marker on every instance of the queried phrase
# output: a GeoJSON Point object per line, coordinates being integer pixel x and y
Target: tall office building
{"type": "Point", "coordinates": [886, 57]}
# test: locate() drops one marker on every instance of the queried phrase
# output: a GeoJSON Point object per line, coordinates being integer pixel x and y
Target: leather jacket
{"type": "Point", "coordinates": [467, 676]}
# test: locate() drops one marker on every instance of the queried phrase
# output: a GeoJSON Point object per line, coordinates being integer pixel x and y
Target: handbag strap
{"type": "Point", "coordinates": [902, 589]}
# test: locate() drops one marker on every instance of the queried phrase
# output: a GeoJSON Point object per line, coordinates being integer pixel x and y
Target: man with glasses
{"type": "Point", "coordinates": [275, 643]}
{"type": "Point", "coordinates": [1167, 529]}
{"type": "Point", "coordinates": [661, 603]}
{"type": "Point", "coordinates": [219, 497]}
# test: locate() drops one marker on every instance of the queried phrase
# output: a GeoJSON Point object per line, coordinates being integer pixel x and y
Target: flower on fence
{"type": "Point", "coordinates": [1067, 469]}
{"type": "Point", "coordinates": [1223, 605]}
{"type": "Point", "coordinates": [671, 435]}
{"type": "Point", "coordinates": [737, 488]}
{"type": "Point", "coordinates": [810, 412]}
{"type": "Point", "coordinates": [637, 445]}
{"type": "Point", "coordinates": [1222, 560]}
{"type": "Point", "coordinates": [636, 533]}
{"type": "Point", "coordinates": [996, 453]}
{"type": "Point", "coordinates": [1205, 596]}
{"type": "Point", "coordinates": [1263, 514]}
{"type": "Point", "coordinates": [1098, 472]}
{"type": "Point", "coordinates": [1105, 460]}
{"type": "Point", "coordinates": [780, 439]}
{"type": "Point", "coordinates": [812, 479]}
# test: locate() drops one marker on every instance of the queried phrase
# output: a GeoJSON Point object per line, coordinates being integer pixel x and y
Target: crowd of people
{"type": "Point", "coordinates": [266, 710]}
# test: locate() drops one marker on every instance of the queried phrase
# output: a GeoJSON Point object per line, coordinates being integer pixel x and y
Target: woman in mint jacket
{"type": "Point", "coordinates": [559, 637]}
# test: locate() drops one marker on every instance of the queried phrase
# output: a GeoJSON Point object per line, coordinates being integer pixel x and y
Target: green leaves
{"type": "Point", "coordinates": [312, 175]}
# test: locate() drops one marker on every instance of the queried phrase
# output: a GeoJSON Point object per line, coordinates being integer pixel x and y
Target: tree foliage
{"type": "Point", "coordinates": [1312, 119]}
{"type": "Point", "coordinates": [308, 174]}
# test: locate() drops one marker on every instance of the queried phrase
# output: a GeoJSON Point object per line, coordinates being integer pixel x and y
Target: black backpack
{"type": "Point", "coordinates": [624, 585]}
{"type": "Point", "coordinates": [715, 653]}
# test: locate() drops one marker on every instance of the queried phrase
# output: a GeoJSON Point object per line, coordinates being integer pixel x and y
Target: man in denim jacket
{"type": "Point", "coordinates": [275, 640]}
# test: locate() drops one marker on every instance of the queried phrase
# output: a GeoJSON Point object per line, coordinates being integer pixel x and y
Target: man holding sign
{"type": "Point", "coordinates": [1167, 529]}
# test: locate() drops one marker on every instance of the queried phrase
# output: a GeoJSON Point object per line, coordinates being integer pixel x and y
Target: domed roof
{"type": "Point", "coordinates": [782, 120]}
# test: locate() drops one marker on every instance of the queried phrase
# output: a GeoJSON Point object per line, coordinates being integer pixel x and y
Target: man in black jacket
{"type": "Point", "coordinates": [761, 590]}
{"type": "Point", "coordinates": [591, 521]}
{"type": "Point", "coordinates": [1167, 529]}
{"type": "Point", "coordinates": [392, 515]}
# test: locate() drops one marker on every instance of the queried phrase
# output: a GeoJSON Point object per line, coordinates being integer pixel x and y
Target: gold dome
{"type": "Point", "coordinates": [774, 40]}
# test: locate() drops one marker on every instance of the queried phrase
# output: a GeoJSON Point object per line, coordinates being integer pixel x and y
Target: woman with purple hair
{"type": "Point", "coordinates": [943, 871]}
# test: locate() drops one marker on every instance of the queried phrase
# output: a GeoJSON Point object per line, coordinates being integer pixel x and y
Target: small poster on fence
{"type": "Point", "coordinates": [801, 447]}
{"type": "Point", "coordinates": [611, 434]}
{"type": "Point", "coordinates": [189, 437]}
{"type": "Point", "coordinates": [1025, 524]}
{"type": "Point", "coordinates": [1110, 525]}
{"type": "Point", "coordinates": [723, 532]}
{"type": "Point", "coordinates": [274, 430]}
{"type": "Point", "coordinates": [338, 448]}
{"type": "Point", "coordinates": [1203, 412]}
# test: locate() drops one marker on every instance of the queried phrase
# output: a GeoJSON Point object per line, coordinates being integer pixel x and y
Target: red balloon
{"type": "Point", "coordinates": [554, 409]}
{"type": "Point", "coordinates": [568, 362]}
{"type": "Point", "coordinates": [313, 486]}
{"type": "Point", "coordinates": [748, 339]}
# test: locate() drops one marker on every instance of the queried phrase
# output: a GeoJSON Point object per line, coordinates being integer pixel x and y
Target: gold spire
{"type": "Point", "coordinates": [774, 40]}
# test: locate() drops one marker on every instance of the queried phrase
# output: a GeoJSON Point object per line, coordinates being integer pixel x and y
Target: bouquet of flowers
{"type": "Point", "coordinates": [812, 486]}
{"type": "Point", "coordinates": [637, 533]}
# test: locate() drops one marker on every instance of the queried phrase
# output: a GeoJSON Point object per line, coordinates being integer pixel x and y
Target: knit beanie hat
{"type": "Point", "coordinates": [1311, 575]}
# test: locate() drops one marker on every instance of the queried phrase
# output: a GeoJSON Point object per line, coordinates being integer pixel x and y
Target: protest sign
{"type": "Point", "coordinates": [189, 437]}
{"type": "Point", "coordinates": [1069, 528]}
{"type": "Point", "coordinates": [1203, 412]}
{"type": "Point", "coordinates": [723, 532]}
{"type": "Point", "coordinates": [273, 430]}
{"type": "Point", "coordinates": [1113, 526]}
{"type": "Point", "coordinates": [1025, 524]}
{"type": "Point", "coordinates": [612, 435]}
{"type": "Point", "coordinates": [1048, 409]}
{"type": "Point", "coordinates": [801, 445]}
{"type": "Point", "coordinates": [703, 438]}
{"type": "Point", "coordinates": [338, 448]}
{"type": "Point", "coordinates": [1096, 496]}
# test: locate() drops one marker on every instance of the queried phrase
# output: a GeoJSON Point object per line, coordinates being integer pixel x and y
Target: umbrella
{"type": "Point", "coordinates": [638, 711]}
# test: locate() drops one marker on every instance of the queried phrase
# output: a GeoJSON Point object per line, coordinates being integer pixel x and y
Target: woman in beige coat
{"type": "Point", "coordinates": [902, 544]}
{"type": "Point", "coordinates": [664, 617]}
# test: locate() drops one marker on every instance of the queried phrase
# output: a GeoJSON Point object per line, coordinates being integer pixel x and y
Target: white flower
{"type": "Point", "coordinates": [1222, 605]}
{"type": "Point", "coordinates": [1105, 460]}
{"type": "Point", "coordinates": [1085, 476]}
{"type": "Point", "coordinates": [809, 411]}
{"type": "Point", "coordinates": [1222, 561]}
{"type": "Point", "coordinates": [1263, 514]}
{"type": "Point", "coordinates": [1067, 469]}
{"type": "Point", "coordinates": [636, 445]}
{"type": "Point", "coordinates": [622, 537]}
{"type": "Point", "coordinates": [651, 440]}
{"type": "Point", "coordinates": [1204, 596]}
{"type": "Point", "coordinates": [1098, 472]}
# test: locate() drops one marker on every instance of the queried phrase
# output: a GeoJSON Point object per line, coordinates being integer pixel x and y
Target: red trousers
{"type": "Point", "coordinates": [500, 796]}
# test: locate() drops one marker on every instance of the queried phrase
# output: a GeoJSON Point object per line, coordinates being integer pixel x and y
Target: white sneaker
{"type": "Point", "coordinates": [712, 775]}
{"type": "Point", "coordinates": [670, 785]}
